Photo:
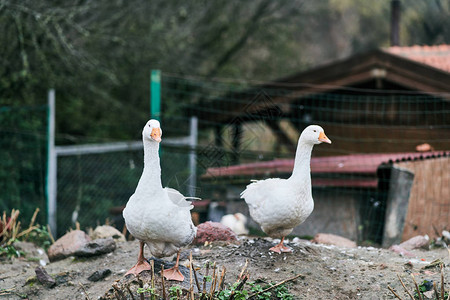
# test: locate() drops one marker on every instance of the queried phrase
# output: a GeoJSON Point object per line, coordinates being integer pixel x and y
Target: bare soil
{"type": "Point", "coordinates": [328, 272]}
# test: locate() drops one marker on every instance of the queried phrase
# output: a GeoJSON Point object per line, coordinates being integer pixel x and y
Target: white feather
{"type": "Point", "coordinates": [279, 205]}
{"type": "Point", "coordinates": [158, 216]}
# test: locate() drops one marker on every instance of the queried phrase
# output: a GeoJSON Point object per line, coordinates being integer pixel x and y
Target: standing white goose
{"type": "Point", "coordinates": [279, 205]}
{"type": "Point", "coordinates": [156, 216]}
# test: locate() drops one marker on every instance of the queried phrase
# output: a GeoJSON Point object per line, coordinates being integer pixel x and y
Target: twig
{"type": "Point", "coordinates": [152, 264]}
{"type": "Point", "coordinates": [213, 282]}
{"type": "Point", "coordinates": [119, 292]}
{"type": "Point", "coordinates": [243, 269]}
{"type": "Point", "coordinates": [278, 284]}
{"type": "Point", "coordinates": [162, 283]}
{"type": "Point", "coordinates": [204, 282]}
{"type": "Point", "coordinates": [406, 290]}
{"type": "Point", "coordinates": [222, 278]}
{"type": "Point", "coordinates": [196, 278]}
{"type": "Point", "coordinates": [141, 285]}
{"type": "Point", "coordinates": [50, 234]}
{"type": "Point", "coordinates": [129, 291]}
{"type": "Point", "coordinates": [239, 287]}
{"type": "Point", "coordinates": [442, 282]}
{"type": "Point", "coordinates": [417, 287]}
{"type": "Point", "coordinates": [191, 282]}
{"type": "Point", "coordinates": [6, 291]}
{"type": "Point", "coordinates": [393, 292]}
{"type": "Point", "coordinates": [85, 292]}
{"type": "Point", "coordinates": [436, 293]}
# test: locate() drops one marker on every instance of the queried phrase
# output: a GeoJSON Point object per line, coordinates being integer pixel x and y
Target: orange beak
{"type": "Point", "coordinates": [156, 134]}
{"type": "Point", "coordinates": [323, 138]}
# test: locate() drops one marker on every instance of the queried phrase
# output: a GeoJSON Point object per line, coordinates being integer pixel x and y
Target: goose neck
{"type": "Point", "coordinates": [302, 162]}
{"type": "Point", "coordinates": [151, 175]}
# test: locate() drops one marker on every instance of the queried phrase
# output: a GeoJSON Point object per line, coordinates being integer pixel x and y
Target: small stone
{"type": "Point", "coordinates": [43, 277]}
{"type": "Point", "coordinates": [213, 231]}
{"type": "Point", "coordinates": [417, 242]}
{"type": "Point", "coordinates": [331, 239]}
{"type": "Point", "coordinates": [68, 244]}
{"type": "Point", "coordinates": [106, 231]}
{"type": "Point", "coordinates": [401, 251]}
{"type": "Point", "coordinates": [96, 247]}
{"type": "Point", "coordinates": [99, 275]}
{"type": "Point", "coordinates": [429, 294]}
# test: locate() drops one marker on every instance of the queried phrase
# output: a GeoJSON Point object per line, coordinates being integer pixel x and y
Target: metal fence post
{"type": "Point", "coordinates": [193, 137]}
{"type": "Point", "coordinates": [51, 165]}
{"type": "Point", "coordinates": [155, 94]}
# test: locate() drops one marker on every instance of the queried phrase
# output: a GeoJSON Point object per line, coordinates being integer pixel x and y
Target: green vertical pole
{"type": "Point", "coordinates": [155, 94]}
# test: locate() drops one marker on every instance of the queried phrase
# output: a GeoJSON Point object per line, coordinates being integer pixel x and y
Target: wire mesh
{"type": "Point", "coordinates": [241, 125]}
{"type": "Point", "coordinates": [23, 160]}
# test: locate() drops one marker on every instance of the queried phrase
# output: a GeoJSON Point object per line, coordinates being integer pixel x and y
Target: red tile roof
{"type": "Point", "coordinates": [363, 165]}
{"type": "Point", "coordinates": [435, 56]}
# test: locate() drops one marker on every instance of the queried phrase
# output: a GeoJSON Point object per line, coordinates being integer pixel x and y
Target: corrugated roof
{"type": "Point", "coordinates": [364, 165]}
{"type": "Point", "coordinates": [435, 56]}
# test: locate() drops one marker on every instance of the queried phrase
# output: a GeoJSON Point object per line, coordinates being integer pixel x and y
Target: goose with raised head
{"type": "Point", "coordinates": [279, 205]}
{"type": "Point", "coordinates": [156, 216]}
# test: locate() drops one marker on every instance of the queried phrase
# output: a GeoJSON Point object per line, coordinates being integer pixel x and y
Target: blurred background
{"type": "Point", "coordinates": [234, 83]}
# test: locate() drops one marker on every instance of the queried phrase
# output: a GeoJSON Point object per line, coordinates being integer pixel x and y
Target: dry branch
{"type": "Point", "coordinates": [393, 292]}
{"type": "Point", "coordinates": [278, 284]}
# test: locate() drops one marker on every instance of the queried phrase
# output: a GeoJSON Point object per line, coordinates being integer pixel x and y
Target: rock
{"type": "Point", "coordinates": [68, 244]}
{"type": "Point", "coordinates": [96, 247]}
{"type": "Point", "coordinates": [401, 251]}
{"type": "Point", "coordinates": [419, 241]}
{"type": "Point", "coordinates": [99, 275]}
{"type": "Point", "coordinates": [331, 239]}
{"type": "Point", "coordinates": [33, 251]}
{"type": "Point", "coordinates": [213, 231]}
{"type": "Point", "coordinates": [43, 277]}
{"type": "Point", "coordinates": [106, 231]}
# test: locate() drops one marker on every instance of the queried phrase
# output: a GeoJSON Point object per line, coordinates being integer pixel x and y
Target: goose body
{"type": "Point", "coordinates": [156, 216]}
{"type": "Point", "coordinates": [279, 205]}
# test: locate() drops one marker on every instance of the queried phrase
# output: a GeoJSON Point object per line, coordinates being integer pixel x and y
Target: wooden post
{"type": "Point", "coordinates": [400, 183]}
{"type": "Point", "coordinates": [236, 142]}
{"type": "Point", "coordinates": [395, 22]}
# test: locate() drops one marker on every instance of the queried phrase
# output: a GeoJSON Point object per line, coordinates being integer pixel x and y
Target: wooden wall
{"type": "Point", "coordinates": [429, 202]}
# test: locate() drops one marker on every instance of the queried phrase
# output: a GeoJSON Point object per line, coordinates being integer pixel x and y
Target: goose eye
{"type": "Point", "coordinates": [315, 130]}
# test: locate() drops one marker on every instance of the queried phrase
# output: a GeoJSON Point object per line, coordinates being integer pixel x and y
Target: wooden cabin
{"type": "Point", "coordinates": [376, 107]}
{"type": "Point", "coordinates": [385, 100]}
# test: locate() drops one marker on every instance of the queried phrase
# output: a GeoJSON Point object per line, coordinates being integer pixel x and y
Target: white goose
{"type": "Point", "coordinates": [156, 216]}
{"type": "Point", "coordinates": [279, 205]}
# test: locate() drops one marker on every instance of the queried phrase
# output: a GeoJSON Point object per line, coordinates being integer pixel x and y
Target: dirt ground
{"type": "Point", "coordinates": [328, 272]}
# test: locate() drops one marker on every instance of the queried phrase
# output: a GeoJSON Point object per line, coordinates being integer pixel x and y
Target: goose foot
{"type": "Point", "coordinates": [142, 264]}
{"type": "Point", "coordinates": [139, 267]}
{"type": "Point", "coordinates": [173, 274]}
{"type": "Point", "coordinates": [281, 247]}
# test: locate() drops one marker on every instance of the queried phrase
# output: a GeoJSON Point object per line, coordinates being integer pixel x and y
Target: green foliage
{"type": "Point", "coordinates": [40, 237]}
{"type": "Point", "coordinates": [10, 252]}
{"type": "Point", "coordinates": [280, 292]}
{"type": "Point", "coordinates": [425, 286]}
{"type": "Point", "coordinates": [174, 291]}
{"type": "Point", "coordinates": [149, 290]}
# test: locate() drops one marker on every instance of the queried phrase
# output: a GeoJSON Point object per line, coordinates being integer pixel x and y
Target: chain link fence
{"type": "Point", "coordinates": [23, 160]}
{"type": "Point", "coordinates": [251, 132]}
